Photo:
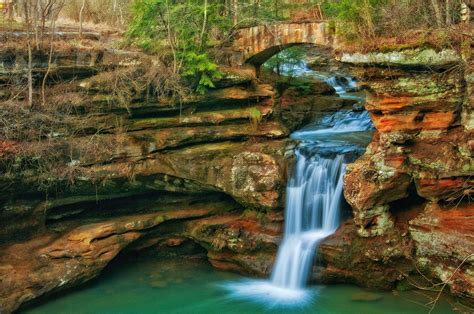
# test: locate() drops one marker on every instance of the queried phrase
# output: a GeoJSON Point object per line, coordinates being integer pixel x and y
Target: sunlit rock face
{"type": "Point", "coordinates": [422, 151]}
{"type": "Point", "coordinates": [158, 174]}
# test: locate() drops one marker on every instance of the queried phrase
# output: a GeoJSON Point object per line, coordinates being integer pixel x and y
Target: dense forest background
{"type": "Point", "coordinates": [185, 36]}
{"type": "Point", "coordinates": [183, 32]}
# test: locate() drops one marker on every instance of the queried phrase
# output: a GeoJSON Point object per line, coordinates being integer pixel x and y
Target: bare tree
{"type": "Point", "coordinates": [204, 24]}
{"type": "Point", "coordinates": [448, 12]}
{"type": "Point", "coordinates": [58, 5]}
{"type": "Point", "coordinates": [81, 17]}
{"type": "Point", "coordinates": [26, 9]}
{"type": "Point", "coordinates": [235, 12]}
{"type": "Point", "coordinates": [437, 11]}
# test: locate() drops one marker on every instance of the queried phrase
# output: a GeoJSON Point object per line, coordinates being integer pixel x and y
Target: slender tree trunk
{"type": "Point", "coordinates": [367, 17]}
{"type": "Point", "coordinates": [36, 18]}
{"type": "Point", "coordinates": [81, 13]}
{"type": "Point", "coordinates": [437, 11]}
{"type": "Point", "coordinates": [448, 12]}
{"type": "Point", "coordinates": [30, 55]}
{"type": "Point", "coordinates": [225, 10]}
{"type": "Point", "coordinates": [10, 11]}
{"type": "Point", "coordinates": [45, 78]}
{"type": "Point", "coordinates": [235, 12]}
{"type": "Point", "coordinates": [170, 38]}
{"type": "Point", "coordinates": [204, 24]}
{"type": "Point", "coordinates": [122, 20]}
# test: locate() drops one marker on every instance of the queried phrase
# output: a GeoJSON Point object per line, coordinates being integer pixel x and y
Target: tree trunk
{"type": "Point", "coordinates": [235, 12]}
{"type": "Point", "coordinates": [81, 13]}
{"type": "Point", "coordinates": [30, 55]}
{"type": "Point", "coordinates": [36, 15]}
{"type": "Point", "coordinates": [204, 24]}
{"type": "Point", "coordinates": [437, 11]}
{"type": "Point", "coordinates": [448, 12]}
{"type": "Point", "coordinates": [45, 78]}
{"type": "Point", "coordinates": [367, 16]}
{"type": "Point", "coordinates": [10, 11]}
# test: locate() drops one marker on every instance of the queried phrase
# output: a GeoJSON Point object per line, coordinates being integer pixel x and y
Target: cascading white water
{"type": "Point", "coordinates": [314, 192]}
{"type": "Point", "coordinates": [312, 213]}
{"type": "Point", "coordinates": [313, 201]}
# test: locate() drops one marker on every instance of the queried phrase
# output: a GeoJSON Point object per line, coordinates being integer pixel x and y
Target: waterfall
{"type": "Point", "coordinates": [314, 195]}
{"type": "Point", "coordinates": [314, 192]}
{"type": "Point", "coordinates": [341, 83]}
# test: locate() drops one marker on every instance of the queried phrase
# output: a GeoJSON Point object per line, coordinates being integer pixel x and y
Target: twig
{"type": "Point", "coordinates": [435, 301]}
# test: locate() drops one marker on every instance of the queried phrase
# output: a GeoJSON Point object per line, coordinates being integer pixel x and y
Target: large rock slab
{"type": "Point", "coordinates": [444, 242]}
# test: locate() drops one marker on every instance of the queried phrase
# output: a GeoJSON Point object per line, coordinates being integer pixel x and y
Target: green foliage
{"type": "Point", "coordinates": [179, 31]}
{"type": "Point", "coordinates": [201, 67]}
{"type": "Point", "coordinates": [144, 23]}
{"type": "Point", "coordinates": [304, 86]}
{"type": "Point", "coordinates": [356, 18]}
{"type": "Point", "coordinates": [287, 61]}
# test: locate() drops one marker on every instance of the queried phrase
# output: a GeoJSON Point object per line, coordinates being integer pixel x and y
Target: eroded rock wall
{"type": "Point", "coordinates": [422, 154]}
{"type": "Point", "coordinates": [211, 170]}
{"type": "Point", "coordinates": [143, 173]}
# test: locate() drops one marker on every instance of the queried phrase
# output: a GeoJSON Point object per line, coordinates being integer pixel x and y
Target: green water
{"type": "Point", "coordinates": [182, 286]}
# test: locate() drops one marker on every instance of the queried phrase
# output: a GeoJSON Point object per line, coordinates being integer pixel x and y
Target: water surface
{"type": "Point", "coordinates": [150, 285]}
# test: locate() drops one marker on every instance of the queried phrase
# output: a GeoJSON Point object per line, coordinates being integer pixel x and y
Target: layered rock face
{"type": "Point", "coordinates": [416, 176]}
{"type": "Point", "coordinates": [136, 172]}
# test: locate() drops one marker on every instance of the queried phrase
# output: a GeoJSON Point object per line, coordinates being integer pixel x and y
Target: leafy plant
{"type": "Point", "coordinates": [202, 69]}
{"type": "Point", "coordinates": [178, 30]}
{"type": "Point", "coordinates": [255, 117]}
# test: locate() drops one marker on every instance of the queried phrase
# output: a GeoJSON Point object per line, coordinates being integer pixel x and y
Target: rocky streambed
{"type": "Point", "coordinates": [207, 175]}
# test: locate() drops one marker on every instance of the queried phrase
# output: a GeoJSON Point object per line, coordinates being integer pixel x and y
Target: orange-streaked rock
{"type": "Point", "coordinates": [444, 241]}
{"type": "Point", "coordinates": [446, 188]}
{"type": "Point", "coordinates": [413, 121]}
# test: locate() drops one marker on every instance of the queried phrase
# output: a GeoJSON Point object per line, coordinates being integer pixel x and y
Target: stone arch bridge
{"type": "Point", "coordinates": [255, 45]}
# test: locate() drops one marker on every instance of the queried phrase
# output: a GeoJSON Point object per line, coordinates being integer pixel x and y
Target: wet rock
{"type": "Point", "coordinates": [245, 244]}
{"type": "Point", "coordinates": [252, 174]}
{"type": "Point", "coordinates": [234, 77]}
{"type": "Point", "coordinates": [376, 262]}
{"type": "Point", "coordinates": [296, 110]}
{"type": "Point", "coordinates": [414, 121]}
{"type": "Point", "coordinates": [374, 221]}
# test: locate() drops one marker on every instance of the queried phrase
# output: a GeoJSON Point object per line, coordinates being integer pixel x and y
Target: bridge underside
{"type": "Point", "coordinates": [257, 44]}
{"type": "Point", "coordinates": [262, 57]}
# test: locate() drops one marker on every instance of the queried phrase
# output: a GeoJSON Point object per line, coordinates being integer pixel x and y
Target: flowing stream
{"type": "Point", "coordinates": [314, 197]}
{"type": "Point", "coordinates": [314, 192]}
